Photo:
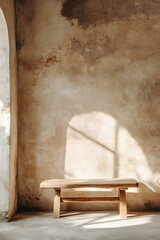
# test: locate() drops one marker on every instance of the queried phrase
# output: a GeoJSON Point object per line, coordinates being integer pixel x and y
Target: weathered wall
{"type": "Point", "coordinates": [8, 111]}
{"type": "Point", "coordinates": [89, 95]}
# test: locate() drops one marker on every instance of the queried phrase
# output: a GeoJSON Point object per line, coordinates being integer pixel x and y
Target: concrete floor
{"type": "Point", "coordinates": [82, 226]}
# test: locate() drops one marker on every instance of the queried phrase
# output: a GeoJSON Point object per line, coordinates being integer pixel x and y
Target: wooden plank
{"type": "Point", "coordinates": [86, 183]}
{"type": "Point", "coordinates": [122, 203]}
{"type": "Point", "coordinates": [56, 203]}
{"type": "Point", "coordinates": [90, 199]}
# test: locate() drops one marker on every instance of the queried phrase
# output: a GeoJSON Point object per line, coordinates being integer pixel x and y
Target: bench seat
{"type": "Point", "coordinates": [121, 184]}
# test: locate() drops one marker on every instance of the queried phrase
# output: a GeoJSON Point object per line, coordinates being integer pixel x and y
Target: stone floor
{"type": "Point", "coordinates": [82, 226]}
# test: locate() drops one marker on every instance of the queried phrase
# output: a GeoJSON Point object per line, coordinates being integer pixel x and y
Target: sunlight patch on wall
{"type": "Point", "coordinates": [90, 146]}
{"type": "Point", "coordinates": [98, 147]}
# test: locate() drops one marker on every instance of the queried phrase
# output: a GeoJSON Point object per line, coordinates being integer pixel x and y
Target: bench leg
{"type": "Point", "coordinates": [56, 204]}
{"type": "Point", "coordinates": [122, 203]}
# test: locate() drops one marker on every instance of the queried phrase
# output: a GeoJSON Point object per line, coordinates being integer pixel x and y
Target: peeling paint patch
{"type": "Point", "coordinates": [4, 109]}
{"type": "Point", "coordinates": [3, 216]}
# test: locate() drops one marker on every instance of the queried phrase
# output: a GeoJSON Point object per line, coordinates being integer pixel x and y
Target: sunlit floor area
{"type": "Point", "coordinates": [82, 226]}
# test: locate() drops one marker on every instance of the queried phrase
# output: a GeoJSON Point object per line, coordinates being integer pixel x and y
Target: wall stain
{"type": "Point", "coordinates": [150, 206]}
{"type": "Point", "coordinates": [40, 63]}
{"type": "Point", "coordinates": [101, 11]}
{"type": "Point", "coordinates": [29, 201]}
{"type": "Point", "coordinates": [149, 99]}
{"type": "Point", "coordinates": [28, 16]}
{"type": "Point", "coordinates": [19, 44]}
{"type": "Point", "coordinates": [96, 47]}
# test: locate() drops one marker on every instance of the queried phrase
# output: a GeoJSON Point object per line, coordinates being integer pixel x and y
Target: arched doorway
{"type": "Point", "coordinates": [4, 115]}
{"type": "Point", "coordinates": [8, 111]}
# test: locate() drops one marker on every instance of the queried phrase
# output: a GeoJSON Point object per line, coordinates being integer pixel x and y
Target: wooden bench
{"type": "Point", "coordinates": [121, 184]}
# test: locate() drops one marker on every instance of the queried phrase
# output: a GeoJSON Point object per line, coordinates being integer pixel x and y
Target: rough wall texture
{"type": "Point", "coordinates": [8, 111]}
{"type": "Point", "coordinates": [89, 96]}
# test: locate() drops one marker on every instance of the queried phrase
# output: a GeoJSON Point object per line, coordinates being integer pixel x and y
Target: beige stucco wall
{"type": "Point", "coordinates": [89, 95]}
{"type": "Point", "coordinates": [8, 111]}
